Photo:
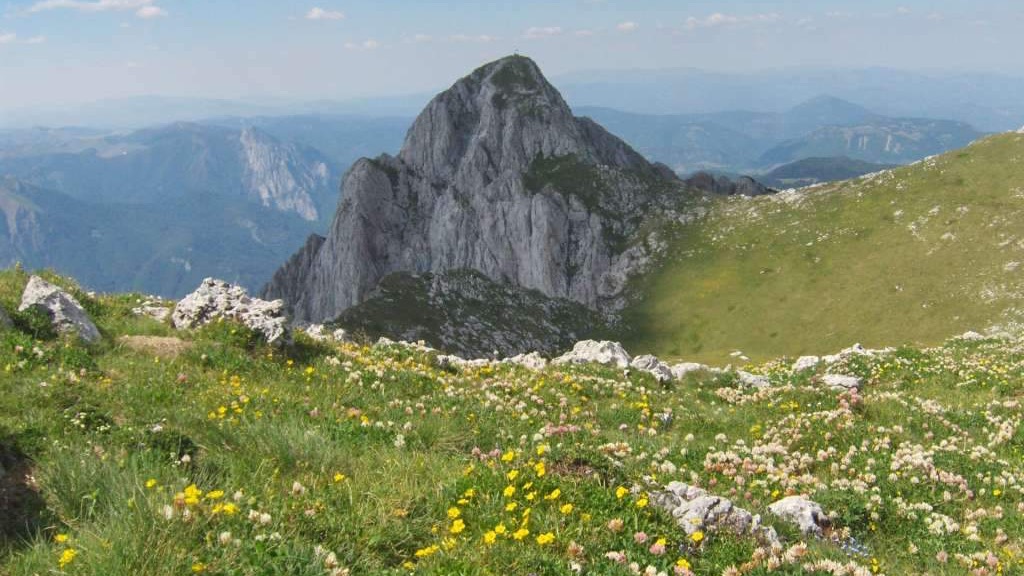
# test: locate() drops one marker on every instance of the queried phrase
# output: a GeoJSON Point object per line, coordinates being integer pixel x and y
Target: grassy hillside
{"type": "Point", "coordinates": [915, 255]}
{"type": "Point", "coordinates": [211, 453]}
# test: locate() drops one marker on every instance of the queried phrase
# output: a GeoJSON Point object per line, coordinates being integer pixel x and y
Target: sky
{"type": "Point", "coordinates": [55, 52]}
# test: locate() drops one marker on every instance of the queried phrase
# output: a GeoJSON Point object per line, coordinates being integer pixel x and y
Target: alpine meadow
{"type": "Point", "coordinates": [559, 288]}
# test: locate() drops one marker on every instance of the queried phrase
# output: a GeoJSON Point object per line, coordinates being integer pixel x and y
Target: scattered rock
{"type": "Point", "coordinates": [66, 314]}
{"type": "Point", "coordinates": [446, 360]}
{"type": "Point", "coordinates": [607, 353]}
{"type": "Point", "coordinates": [805, 363]}
{"type": "Point", "coordinates": [970, 336]}
{"type": "Point", "coordinates": [319, 333]}
{"type": "Point", "coordinates": [695, 509]}
{"type": "Point", "coordinates": [752, 380]}
{"type": "Point", "coordinates": [162, 347]}
{"type": "Point", "coordinates": [153, 308]}
{"type": "Point", "coordinates": [218, 299]}
{"type": "Point", "coordinates": [841, 381]}
{"type": "Point", "coordinates": [532, 361]}
{"type": "Point", "coordinates": [653, 366]}
{"type": "Point", "coordinates": [855, 350]}
{"type": "Point", "coordinates": [679, 371]}
{"type": "Point", "coordinates": [806, 514]}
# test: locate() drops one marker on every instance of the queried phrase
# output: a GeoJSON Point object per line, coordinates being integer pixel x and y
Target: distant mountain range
{"type": "Point", "coordinates": [756, 142]}
{"type": "Point", "coordinates": [990, 102]}
{"type": "Point", "coordinates": [159, 209]}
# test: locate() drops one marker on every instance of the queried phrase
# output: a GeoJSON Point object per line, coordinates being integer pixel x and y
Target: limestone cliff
{"type": "Point", "coordinates": [497, 176]}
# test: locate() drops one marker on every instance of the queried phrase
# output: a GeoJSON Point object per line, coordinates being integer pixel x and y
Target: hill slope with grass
{"type": "Point", "coordinates": [916, 254]}
{"type": "Point", "coordinates": [165, 452]}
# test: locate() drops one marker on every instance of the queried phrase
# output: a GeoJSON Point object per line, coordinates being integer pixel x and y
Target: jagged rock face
{"type": "Point", "coordinates": [496, 175]}
{"type": "Point", "coordinates": [277, 175]}
{"type": "Point", "coordinates": [66, 314]}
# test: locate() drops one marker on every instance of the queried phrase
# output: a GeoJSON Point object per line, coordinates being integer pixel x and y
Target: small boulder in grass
{"type": "Point", "coordinates": [604, 352]}
{"type": "Point", "coordinates": [66, 315]}
{"type": "Point", "coordinates": [215, 299]}
{"type": "Point", "coordinates": [805, 513]}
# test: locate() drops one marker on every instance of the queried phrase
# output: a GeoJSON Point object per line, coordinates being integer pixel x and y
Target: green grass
{"type": "Point", "coordinates": [361, 453]}
{"type": "Point", "coordinates": [915, 256]}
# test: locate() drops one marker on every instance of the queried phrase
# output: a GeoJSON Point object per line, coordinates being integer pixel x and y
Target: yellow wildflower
{"type": "Point", "coordinates": [512, 475]}
{"type": "Point", "coordinates": [566, 509]}
{"type": "Point", "coordinates": [521, 533]}
{"type": "Point", "coordinates": [508, 456]}
{"type": "Point", "coordinates": [547, 538]}
{"type": "Point", "coordinates": [509, 491]}
{"type": "Point", "coordinates": [621, 492]}
{"type": "Point", "coordinates": [151, 483]}
{"type": "Point", "coordinates": [61, 538]}
{"type": "Point", "coordinates": [553, 495]}
{"type": "Point", "coordinates": [457, 526]}
{"type": "Point", "coordinates": [697, 537]}
{"type": "Point", "coordinates": [453, 513]}
{"type": "Point", "coordinates": [489, 537]}
{"type": "Point", "coordinates": [538, 468]}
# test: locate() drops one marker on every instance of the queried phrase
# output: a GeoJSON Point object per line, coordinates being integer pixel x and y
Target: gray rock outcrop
{"type": "Point", "coordinates": [842, 381]}
{"type": "Point", "coordinates": [531, 361]}
{"type": "Point", "coordinates": [682, 369]}
{"type": "Point", "coordinates": [752, 380]}
{"type": "Point", "coordinates": [806, 514]}
{"type": "Point", "coordinates": [215, 299]}
{"type": "Point", "coordinates": [496, 175]}
{"type": "Point", "coordinates": [66, 314]}
{"type": "Point", "coordinates": [805, 363]}
{"type": "Point", "coordinates": [695, 509]}
{"type": "Point", "coordinates": [650, 364]}
{"type": "Point", "coordinates": [586, 351]}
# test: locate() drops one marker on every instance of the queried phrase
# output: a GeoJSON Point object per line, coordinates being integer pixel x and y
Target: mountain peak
{"type": "Point", "coordinates": [830, 110]}
{"type": "Point", "coordinates": [500, 118]}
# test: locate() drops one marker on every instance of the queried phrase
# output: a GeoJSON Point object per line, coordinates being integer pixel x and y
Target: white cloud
{"type": "Point", "coordinates": [628, 27]}
{"type": "Point", "coordinates": [87, 6]}
{"type": "Point", "coordinates": [903, 10]}
{"type": "Point", "coordinates": [142, 8]}
{"type": "Point", "coordinates": [482, 38]}
{"type": "Point", "coordinates": [7, 37]}
{"type": "Point", "coordinates": [36, 40]}
{"type": "Point", "coordinates": [148, 12]}
{"type": "Point", "coordinates": [364, 45]}
{"type": "Point", "coordinates": [719, 19]}
{"type": "Point", "coordinates": [542, 31]}
{"type": "Point", "coordinates": [584, 33]}
{"type": "Point", "coordinates": [318, 13]}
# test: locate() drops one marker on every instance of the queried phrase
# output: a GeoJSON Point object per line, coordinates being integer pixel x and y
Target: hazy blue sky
{"type": "Point", "coordinates": [54, 51]}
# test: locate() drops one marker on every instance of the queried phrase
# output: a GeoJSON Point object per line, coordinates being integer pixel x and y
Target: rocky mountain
{"type": "Point", "coordinates": [185, 162]}
{"type": "Point", "coordinates": [496, 176]}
